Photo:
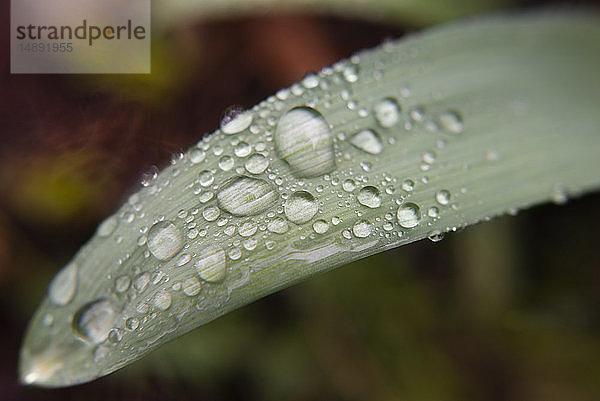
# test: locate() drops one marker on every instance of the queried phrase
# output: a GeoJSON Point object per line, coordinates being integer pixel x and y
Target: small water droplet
{"type": "Point", "coordinates": [114, 336]}
{"type": "Point", "coordinates": [236, 120]}
{"type": "Point", "coordinates": [64, 285]}
{"type": "Point", "coordinates": [246, 196]}
{"type": "Point", "coordinates": [206, 178]}
{"type": "Point", "coordinates": [162, 299]}
{"type": "Point", "coordinates": [435, 236]}
{"type": "Point", "coordinates": [320, 226]}
{"type": "Point", "coordinates": [164, 240]}
{"type": "Point", "coordinates": [247, 228]}
{"type": "Point", "coordinates": [369, 196]}
{"type": "Point", "coordinates": [141, 282]}
{"type": "Point", "coordinates": [278, 226]}
{"type": "Point", "coordinates": [149, 176]}
{"type": "Point", "coordinates": [122, 283]}
{"type": "Point", "coordinates": [362, 229]}
{"type": "Point", "coordinates": [132, 324]}
{"type": "Point", "coordinates": [367, 141]}
{"type": "Point", "coordinates": [301, 207]}
{"type": "Point", "coordinates": [408, 185]}
{"type": "Point", "coordinates": [433, 212]}
{"type": "Point", "coordinates": [310, 80]}
{"type": "Point", "coordinates": [226, 163]}
{"type": "Point", "coordinates": [349, 185]}
{"type": "Point", "coordinates": [387, 112]}
{"type": "Point", "coordinates": [93, 321]}
{"type": "Point", "coordinates": [417, 113]}
{"type": "Point", "coordinates": [443, 197]}
{"type": "Point", "coordinates": [211, 213]}
{"type": "Point", "coordinates": [107, 227]}
{"type": "Point", "coordinates": [350, 73]}
{"type": "Point", "coordinates": [409, 215]}
{"type": "Point", "coordinates": [211, 264]}
{"type": "Point", "coordinates": [305, 142]}
{"type": "Point", "coordinates": [256, 164]}
{"type": "Point", "coordinates": [242, 149]}
{"type": "Point", "coordinates": [451, 122]}
{"type": "Point", "coordinates": [191, 286]}
{"type": "Point", "coordinates": [197, 156]}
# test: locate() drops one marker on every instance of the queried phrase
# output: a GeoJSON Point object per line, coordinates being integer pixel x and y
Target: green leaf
{"type": "Point", "coordinates": [416, 138]}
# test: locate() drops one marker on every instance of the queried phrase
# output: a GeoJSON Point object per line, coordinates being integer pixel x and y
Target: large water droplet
{"type": "Point", "coordinates": [236, 120]}
{"type": "Point", "coordinates": [301, 207]}
{"type": "Point", "coordinates": [226, 163]}
{"type": "Point", "coordinates": [451, 122]}
{"type": "Point", "coordinates": [94, 321]}
{"type": "Point", "coordinates": [367, 141]}
{"type": "Point", "coordinates": [369, 196]}
{"type": "Point", "coordinates": [303, 139]}
{"type": "Point", "coordinates": [211, 264]}
{"type": "Point", "coordinates": [211, 213]}
{"type": "Point", "coordinates": [387, 112]}
{"type": "Point", "coordinates": [256, 164]}
{"type": "Point", "coordinates": [409, 215]}
{"type": "Point", "coordinates": [63, 286]}
{"type": "Point", "coordinates": [246, 196]}
{"type": "Point", "coordinates": [164, 240]}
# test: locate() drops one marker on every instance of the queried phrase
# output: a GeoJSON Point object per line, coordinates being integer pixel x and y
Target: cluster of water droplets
{"type": "Point", "coordinates": [268, 173]}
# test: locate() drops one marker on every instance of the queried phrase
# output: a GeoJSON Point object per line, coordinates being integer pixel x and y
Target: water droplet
{"type": "Point", "coordinates": [107, 227]}
{"type": "Point", "coordinates": [408, 185]}
{"type": "Point", "coordinates": [451, 122]}
{"type": "Point", "coordinates": [93, 321]}
{"type": "Point", "coordinates": [242, 149]}
{"type": "Point", "coordinates": [246, 196]}
{"type": "Point", "coordinates": [350, 73]}
{"type": "Point", "coordinates": [149, 176]}
{"type": "Point", "coordinates": [559, 195]}
{"type": "Point", "coordinates": [433, 212]}
{"type": "Point", "coordinates": [256, 164]}
{"type": "Point", "coordinates": [417, 113]}
{"type": "Point", "coordinates": [114, 336]}
{"type": "Point", "coordinates": [367, 141]}
{"type": "Point", "coordinates": [211, 264]}
{"type": "Point", "coordinates": [443, 197]}
{"type": "Point", "coordinates": [64, 285]}
{"type": "Point", "coordinates": [162, 299]}
{"type": "Point", "coordinates": [435, 236]}
{"type": "Point", "coordinates": [132, 323]}
{"type": "Point", "coordinates": [310, 81]}
{"type": "Point", "coordinates": [122, 283]}
{"type": "Point", "coordinates": [206, 178]}
{"type": "Point", "coordinates": [236, 120]}
{"type": "Point", "coordinates": [183, 259]}
{"type": "Point", "coordinates": [305, 142]}
{"type": "Point", "coordinates": [191, 286]}
{"type": "Point", "coordinates": [211, 213]}
{"type": "Point", "coordinates": [226, 163]}
{"type": "Point", "coordinates": [320, 226]}
{"type": "Point", "coordinates": [164, 240]}
{"type": "Point", "coordinates": [247, 228]}
{"type": "Point", "coordinates": [197, 156]}
{"type": "Point", "coordinates": [409, 215]}
{"type": "Point", "coordinates": [278, 226]}
{"type": "Point", "coordinates": [349, 185]}
{"type": "Point", "coordinates": [141, 282]}
{"type": "Point", "coordinates": [387, 112]}
{"type": "Point", "coordinates": [301, 207]}
{"type": "Point", "coordinates": [362, 229]}
{"type": "Point", "coordinates": [369, 196]}
{"type": "Point", "coordinates": [429, 157]}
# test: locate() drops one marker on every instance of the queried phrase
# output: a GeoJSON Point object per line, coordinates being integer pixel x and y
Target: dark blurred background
{"type": "Point", "coordinates": [508, 310]}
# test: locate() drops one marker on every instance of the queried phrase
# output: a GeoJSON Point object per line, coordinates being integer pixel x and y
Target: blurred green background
{"type": "Point", "coordinates": [507, 310]}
